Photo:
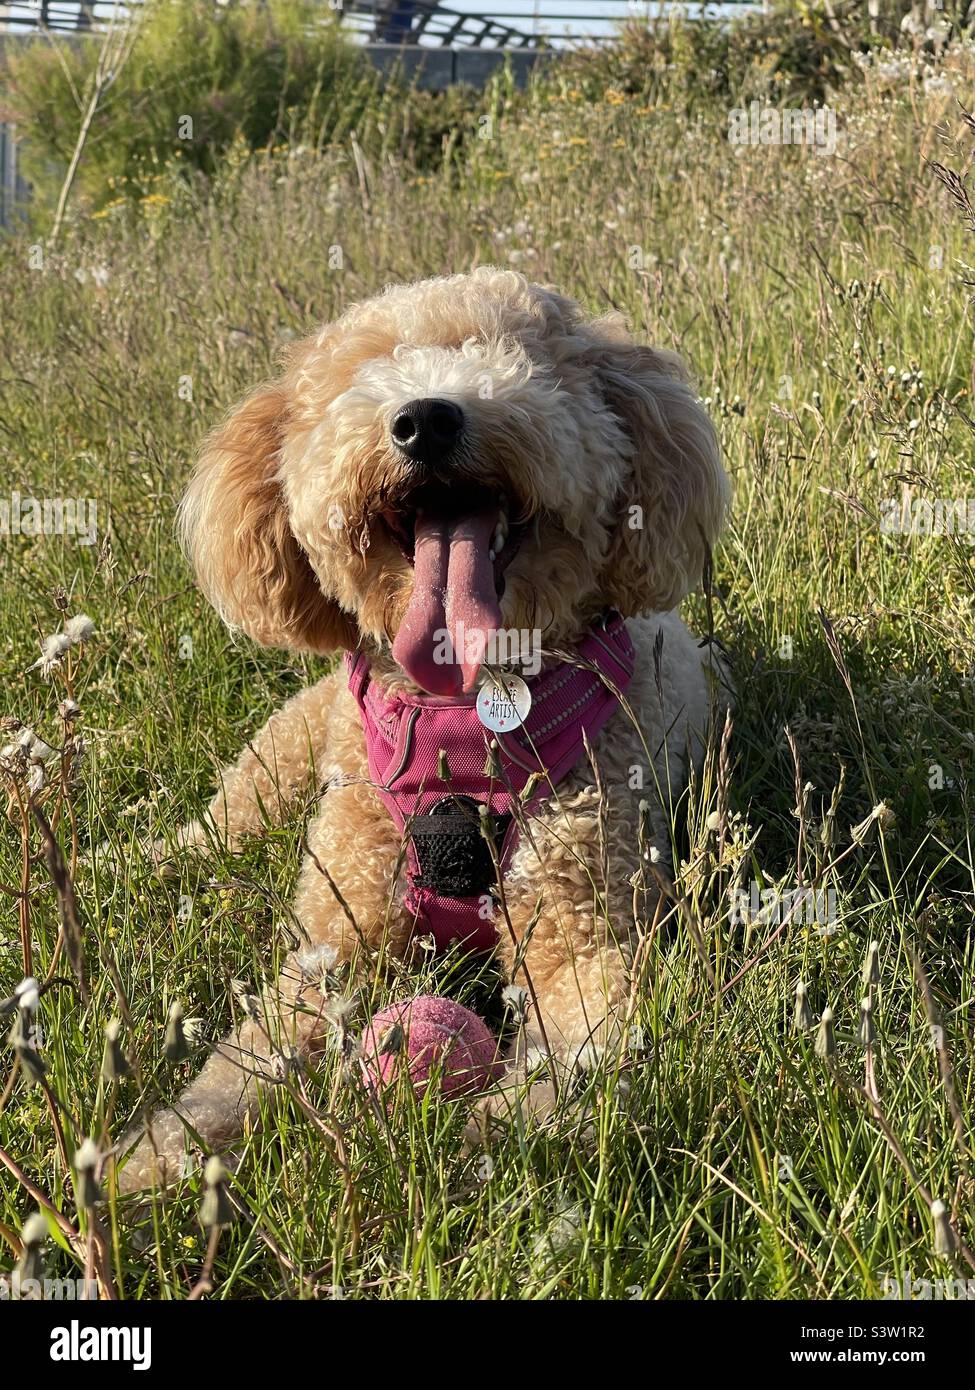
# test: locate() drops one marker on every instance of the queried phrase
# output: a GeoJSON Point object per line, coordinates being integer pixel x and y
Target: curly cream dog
{"type": "Point", "coordinates": [599, 474]}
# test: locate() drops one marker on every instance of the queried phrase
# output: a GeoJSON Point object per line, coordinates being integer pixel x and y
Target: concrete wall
{"type": "Point", "coordinates": [436, 68]}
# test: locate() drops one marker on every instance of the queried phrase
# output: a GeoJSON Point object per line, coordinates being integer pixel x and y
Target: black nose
{"type": "Point", "coordinates": [426, 430]}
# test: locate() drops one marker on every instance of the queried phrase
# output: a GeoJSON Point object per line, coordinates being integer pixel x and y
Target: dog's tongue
{"type": "Point", "coordinates": [453, 589]}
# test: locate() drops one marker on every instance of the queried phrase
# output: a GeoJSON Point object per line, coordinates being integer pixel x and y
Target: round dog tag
{"type": "Point", "coordinates": [503, 703]}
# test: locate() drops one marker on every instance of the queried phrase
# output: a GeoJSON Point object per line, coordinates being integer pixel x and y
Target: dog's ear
{"type": "Point", "coordinates": [672, 504]}
{"type": "Point", "coordinates": [235, 532]}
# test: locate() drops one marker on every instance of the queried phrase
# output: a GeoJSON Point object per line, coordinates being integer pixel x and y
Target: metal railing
{"type": "Point", "coordinates": [78, 16]}
{"type": "Point", "coordinates": [425, 22]}
{"type": "Point", "coordinates": [413, 21]}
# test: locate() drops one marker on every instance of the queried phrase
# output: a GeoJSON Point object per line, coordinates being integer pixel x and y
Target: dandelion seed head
{"type": "Point", "coordinates": [317, 961]}
{"type": "Point", "coordinates": [87, 1155]}
{"type": "Point", "coordinates": [34, 1231]}
{"type": "Point", "coordinates": [53, 649]}
{"type": "Point", "coordinates": [28, 994]}
{"type": "Point", "coordinates": [79, 629]}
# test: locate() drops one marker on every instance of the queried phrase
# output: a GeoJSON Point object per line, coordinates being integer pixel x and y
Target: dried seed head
{"type": "Point", "coordinates": [881, 815]}
{"type": "Point", "coordinates": [945, 1241]}
{"type": "Point", "coordinates": [516, 998]}
{"type": "Point", "coordinates": [33, 1235]}
{"type": "Point", "coordinates": [287, 1060]}
{"type": "Point", "coordinates": [23, 1038]}
{"type": "Point", "coordinates": [194, 1031]}
{"type": "Point", "coordinates": [871, 966]}
{"type": "Point", "coordinates": [214, 1172]}
{"type": "Point", "coordinates": [317, 967]}
{"type": "Point", "coordinates": [317, 961]}
{"type": "Point", "coordinates": [216, 1208]}
{"type": "Point", "coordinates": [825, 1045]}
{"type": "Point", "coordinates": [867, 1031]}
{"type": "Point", "coordinates": [53, 649]}
{"type": "Point", "coordinates": [646, 835]}
{"type": "Point", "coordinates": [28, 994]}
{"type": "Point", "coordinates": [115, 1064]}
{"type": "Point", "coordinates": [79, 628]}
{"type": "Point", "coordinates": [248, 1003]}
{"type": "Point", "coordinates": [803, 1015]}
{"type": "Point", "coordinates": [531, 786]}
{"type": "Point", "coordinates": [34, 1231]}
{"type": "Point", "coordinates": [392, 1041]}
{"type": "Point", "coordinates": [13, 759]}
{"type": "Point", "coordinates": [86, 1162]}
{"type": "Point", "coordinates": [69, 711]}
{"type": "Point", "coordinates": [175, 1047]}
{"type": "Point", "coordinates": [20, 1033]}
{"type": "Point", "coordinates": [492, 764]}
{"type": "Point", "coordinates": [38, 751]}
{"type": "Point", "coordinates": [337, 1009]}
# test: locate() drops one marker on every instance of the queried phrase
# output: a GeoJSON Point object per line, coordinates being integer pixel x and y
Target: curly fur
{"type": "Point", "coordinates": [617, 469]}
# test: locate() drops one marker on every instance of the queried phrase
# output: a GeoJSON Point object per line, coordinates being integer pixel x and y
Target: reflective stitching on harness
{"type": "Point", "coordinates": [566, 714]}
{"type": "Point", "coordinates": [546, 693]}
{"type": "Point", "coordinates": [609, 652]}
{"type": "Point", "coordinates": [407, 746]}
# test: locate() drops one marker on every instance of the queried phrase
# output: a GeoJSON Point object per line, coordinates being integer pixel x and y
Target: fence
{"type": "Point", "coordinates": [535, 24]}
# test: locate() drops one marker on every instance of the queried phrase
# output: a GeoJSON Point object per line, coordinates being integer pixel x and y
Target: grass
{"type": "Point", "coordinates": [825, 305]}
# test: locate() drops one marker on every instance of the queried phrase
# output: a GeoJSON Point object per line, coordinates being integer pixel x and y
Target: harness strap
{"type": "Point", "coordinates": [453, 788]}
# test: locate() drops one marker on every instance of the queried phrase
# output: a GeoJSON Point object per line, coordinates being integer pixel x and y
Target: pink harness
{"type": "Point", "coordinates": [449, 860]}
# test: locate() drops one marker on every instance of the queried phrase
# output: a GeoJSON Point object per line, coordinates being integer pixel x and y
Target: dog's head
{"type": "Point", "coordinates": [468, 453]}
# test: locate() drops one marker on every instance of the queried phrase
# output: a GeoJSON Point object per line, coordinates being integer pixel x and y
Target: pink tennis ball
{"type": "Point", "coordinates": [431, 1035]}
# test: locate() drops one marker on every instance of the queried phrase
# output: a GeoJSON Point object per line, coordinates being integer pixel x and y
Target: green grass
{"type": "Point", "coordinates": [723, 1159]}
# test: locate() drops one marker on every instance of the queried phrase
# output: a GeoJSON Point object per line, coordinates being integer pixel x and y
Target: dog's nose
{"type": "Point", "coordinates": [426, 430]}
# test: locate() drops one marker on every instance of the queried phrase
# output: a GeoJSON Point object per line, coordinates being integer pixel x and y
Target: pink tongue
{"type": "Point", "coordinates": [453, 589]}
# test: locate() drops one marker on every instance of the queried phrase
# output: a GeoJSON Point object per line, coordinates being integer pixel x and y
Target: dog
{"type": "Point", "coordinates": [469, 450]}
